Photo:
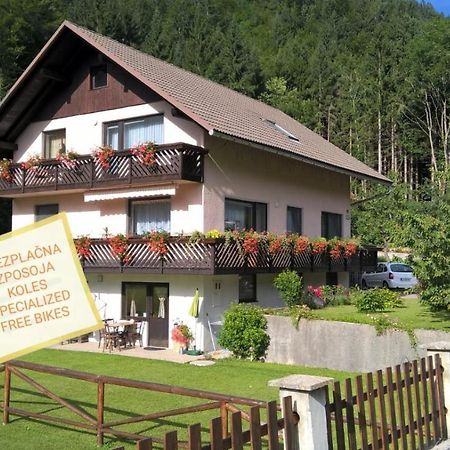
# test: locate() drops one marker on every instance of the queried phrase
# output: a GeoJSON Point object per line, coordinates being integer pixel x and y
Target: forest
{"type": "Point", "coordinates": [372, 76]}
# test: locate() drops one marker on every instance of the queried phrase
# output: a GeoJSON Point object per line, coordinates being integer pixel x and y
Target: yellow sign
{"type": "Point", "coordinates": [44, 296]}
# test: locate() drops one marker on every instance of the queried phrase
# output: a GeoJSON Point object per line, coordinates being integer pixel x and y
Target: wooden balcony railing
{"type": "Point", "coordinates": [215, 256]}
{"type": "Point", "coordinates": [173, 162]}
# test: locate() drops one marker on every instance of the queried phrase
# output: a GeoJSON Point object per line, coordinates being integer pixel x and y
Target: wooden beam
{"type": "Point", "coordinates": [5, 145]}
{"type": "Point", "coordinates": [53, 75]}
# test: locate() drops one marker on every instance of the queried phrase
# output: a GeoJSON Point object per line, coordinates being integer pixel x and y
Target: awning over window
{"type": "Point", "coordinates": [156, 191]}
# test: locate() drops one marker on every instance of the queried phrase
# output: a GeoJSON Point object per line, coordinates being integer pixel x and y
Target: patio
{"type": "Point", "coordinates": [161, 354]}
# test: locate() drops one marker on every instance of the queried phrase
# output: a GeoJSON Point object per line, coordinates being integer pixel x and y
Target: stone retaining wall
{"type": "Point", "coordinates": [342, 346]}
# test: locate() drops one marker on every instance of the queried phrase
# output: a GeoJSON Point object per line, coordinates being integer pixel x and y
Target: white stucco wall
{"type": "Point", "coordinates": [85, 132]}
{"type": "Point", "coordinates": [245, 173]}
{"type": "Point", "coordinates": [92, 218]}
{"type": "Point", "coordinates": [107, 290]}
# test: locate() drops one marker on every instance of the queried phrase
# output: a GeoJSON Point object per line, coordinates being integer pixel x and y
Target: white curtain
{"type": "Point", "coordinates": [151, 216]}
{"type": "Point", "coordinates": [112, 136]}
{"type": "Point", "coordinates": [139, 131]}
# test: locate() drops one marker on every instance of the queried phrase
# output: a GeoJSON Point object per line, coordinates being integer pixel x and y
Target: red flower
{"type": "Point", "coordinates": [83, 246]}
{"type": "Point", "coordinates": [103, 155]}
{"type": "Point", "coordinates": [157, 242]}
{"type": "Point", "coordinates": [301, 245]}
{"type": "Point", "coordinates": [119, 247]}
{"type": "Point", "coordinates": [145, 153]}
{"type": "Point", "coordinates": [319, 246]}
{"type": "Point", "coordinates": [350, 249]}
{"type": "Point", "coordinates": [250, 242]}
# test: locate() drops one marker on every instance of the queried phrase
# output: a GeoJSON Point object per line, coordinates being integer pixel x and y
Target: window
{"type": "Point", "coordinates": [240, 214]}
{"type": "Point", "coordinates": [99, 77]}
{"type": "Point", "coordinates": [247, 288]}
{"type": "Point", "coordinates": [125, 134]}
{"type": "Point", "coordinates": [150, 215]}
{"type": "Point", "coordinates": [294, 220]}
{"type": "Point", "coordinates": [44, 211]}
{"type": "Point", "coordinates": [54, 142]}
{"type": "Point", "coordinates": [331, 225]}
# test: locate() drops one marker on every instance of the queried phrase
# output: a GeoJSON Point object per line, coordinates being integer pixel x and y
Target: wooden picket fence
{"type": "Point", "coordinates": [402, 407]}
{"type": "Point", "coordinates": [259, 434]}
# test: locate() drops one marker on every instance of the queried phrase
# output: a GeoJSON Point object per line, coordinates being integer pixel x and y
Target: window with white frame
{"type": "Point", "coordinates": [124, 134]}
{"type": "Point", "coordinates": [149, 215]}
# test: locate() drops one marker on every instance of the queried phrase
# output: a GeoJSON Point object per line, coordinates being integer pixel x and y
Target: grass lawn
{"type": "Point", "coordinates": [413, 314]}
{"type": "Point", "coordinates": [242, 378]}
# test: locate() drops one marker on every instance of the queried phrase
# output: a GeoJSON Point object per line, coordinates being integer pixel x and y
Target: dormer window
{"type": "Point", "coordinates": [99, 77]}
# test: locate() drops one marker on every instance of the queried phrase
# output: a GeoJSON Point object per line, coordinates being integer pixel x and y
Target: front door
{"type": "Point", "coordinates": [149, 302]}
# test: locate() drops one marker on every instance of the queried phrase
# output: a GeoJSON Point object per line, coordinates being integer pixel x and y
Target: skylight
{"type": "Point", "coordinates": [282, 130]}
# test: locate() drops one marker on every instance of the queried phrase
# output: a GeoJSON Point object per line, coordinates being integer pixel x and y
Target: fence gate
{"type": "Point", "coordinates": [400, 408]}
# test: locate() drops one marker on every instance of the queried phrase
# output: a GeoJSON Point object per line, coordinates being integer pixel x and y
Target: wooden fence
{"type": "Point", "coordinates": [235, 439]}
{"type": "Point", "coordinates": [221, 435]}
{"type": "Point", "coordinates": [402, 407]}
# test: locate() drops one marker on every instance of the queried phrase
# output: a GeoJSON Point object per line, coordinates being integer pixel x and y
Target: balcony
{"type": "Point", "coordinates": [173, 162]}
{"type": "Point", "coordinates": [215, 256]}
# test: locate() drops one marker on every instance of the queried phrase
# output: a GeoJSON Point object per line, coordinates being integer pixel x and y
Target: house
{"type": "Point", "coordinates": [222, 161]}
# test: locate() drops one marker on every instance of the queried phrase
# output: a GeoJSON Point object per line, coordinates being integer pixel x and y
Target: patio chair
{"type": "Point", "coordinates": [111, 338]}
{"type": "Point", "coordinates": [135, 333]}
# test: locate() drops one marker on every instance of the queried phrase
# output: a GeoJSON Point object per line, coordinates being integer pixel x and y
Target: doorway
{"type": "Point", "coordinates": [150, 302]}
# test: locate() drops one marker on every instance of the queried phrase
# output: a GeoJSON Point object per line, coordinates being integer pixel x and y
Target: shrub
{"type": "Point", "coordinates": [436, 297]}
{"type": "Point", "coordinates": [289, 287]}
{"type": "Point", "coordinates": [335, 295]}
{"type": "Point", "coordinates": [244, 332]}
{"type": "Point", "coordinates": [392, 299]}
{"type": "Point", "coordinates": [371, 300]}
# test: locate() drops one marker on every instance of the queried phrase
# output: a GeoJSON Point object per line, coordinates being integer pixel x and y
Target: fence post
{"type": "Point", "coordinates": [6, 395]}
{"type": "Point", "coordinates": [308, 400]}
{"type": "Point", "coordinates": [443, 348]}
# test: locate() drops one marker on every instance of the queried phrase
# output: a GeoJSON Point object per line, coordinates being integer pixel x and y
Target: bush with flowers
{"type": "Point", "coordinates": [157, 242]}
{"type": "Point", "coordinates": [83, 246]}
{"type": "Point", "coordinates": [144, 153]}
{"type": "Point", "coordinates": [5, 170]}
{"type": "Point", "coordinates": [103, 155]}
{"type": "Point", "coordinates": [119, 247]}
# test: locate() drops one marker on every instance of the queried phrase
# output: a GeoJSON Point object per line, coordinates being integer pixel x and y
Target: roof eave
{"type": "Point", "coordinates": [279, 151]}
{"type": "Point", "coordinates": [16, 86]}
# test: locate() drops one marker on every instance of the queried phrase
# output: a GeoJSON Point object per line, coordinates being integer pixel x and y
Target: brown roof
{"type": "Point", "coordinates": [221, 110]}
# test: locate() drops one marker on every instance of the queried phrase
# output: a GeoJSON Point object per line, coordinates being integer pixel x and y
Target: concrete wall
{"type": "Point", "coordinates": [342, 346]}
{"type": "Point", "coordinates": [245, 173]}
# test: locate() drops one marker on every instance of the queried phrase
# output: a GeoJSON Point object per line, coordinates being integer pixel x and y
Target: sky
{"type": "Point", "coordinates": [442, 6]}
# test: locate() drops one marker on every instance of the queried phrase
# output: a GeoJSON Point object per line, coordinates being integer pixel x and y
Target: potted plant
{"type": "Point", "coordinates": [301, 245]}
{"type": "Point", "coordinates": [68, 159]}
{"type": "Point", "coordinates": [103, 155]}
{"type": "Point", "coordinates": [157, 242]}
{"type": "Point", "coordinates": [145, 153]}
{"type": "Point", "coordinates": [83, 246]}
{"type": "Point", "coordinates": [181, 337]}
{"type": "Point", "coordinates": [5, 170]}
{"type": "Point", "coordinates": [119, 247]}
{"type": "Point", "coordinates": [31, 163]}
